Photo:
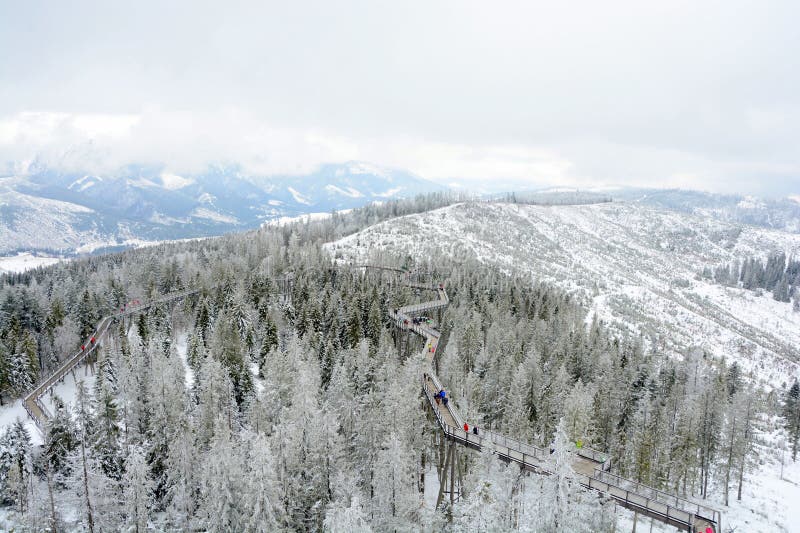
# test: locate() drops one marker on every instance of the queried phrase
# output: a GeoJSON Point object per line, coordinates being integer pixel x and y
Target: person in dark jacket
{"type": "Point", "coordinates": [475, 430]}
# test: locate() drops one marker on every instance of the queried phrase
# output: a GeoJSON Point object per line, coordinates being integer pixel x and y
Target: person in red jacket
{"type": "Point", "coordinates": [83, 347]}
{"type": "Point", "coordinates": [92, 341]}
{"type": "Point", "coordinates": [466, 427]}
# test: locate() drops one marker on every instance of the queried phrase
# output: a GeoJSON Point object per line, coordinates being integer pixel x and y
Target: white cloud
{"type": "Point", "coordinates": [569, 93]}
{"type": "Point", "coordinates": [188, 142]}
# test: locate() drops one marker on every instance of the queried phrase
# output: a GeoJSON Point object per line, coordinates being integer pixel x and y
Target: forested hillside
{"type": "Point", "coordinates": [637, 268]}
{"type": "Point", "coordinates": [298, 406]}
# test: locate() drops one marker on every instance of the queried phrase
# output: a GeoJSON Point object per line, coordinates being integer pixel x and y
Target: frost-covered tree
{"type": "Point", "coordinates": [396, 496]}
{"type": "Point", "coordinates": [227, 347]}
{"type": "Point", "coordinates": [340, 519]}
{"type": "Point", "coordinates": [791, 415]}
{"type": "Point", "coordinates": [578, 413]}
{"type": "Point", "coordinates": [106, 434]}
{"type": "Point", "coordinates": [15, 464]}
{"type": "Point", "coordinates": [137, 494]}
{"type": "Point", "coordinates": [262, 496]}
{"type": "Point", "coordinates": [182, 460]}
{"type": "Point", "coordinates": [61, 438]}
{"type": "Point", "coordinates": [221, 505]}
{"type": "Point", "coordinates": [489, 502]}
{"type": "Point", "coordinates": [564, 505]}
{"type": "Point", "coordinates": [299, 448]}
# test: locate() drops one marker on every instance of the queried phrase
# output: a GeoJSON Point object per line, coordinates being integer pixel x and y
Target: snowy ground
{"type": "Point", "coordinates": [13, 411]}
{"type": "Point", "coordinates": [24, 261]}
{"type": "Point", "coordinates": [66, 390]}
{"type": "Point", "coordinates": [181, 347]}
{"type": "Point", "coordinates": [308, 217]}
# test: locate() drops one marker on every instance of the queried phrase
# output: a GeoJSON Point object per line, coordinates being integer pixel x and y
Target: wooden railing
{"type": "Point", "coordinates": [657, 496]}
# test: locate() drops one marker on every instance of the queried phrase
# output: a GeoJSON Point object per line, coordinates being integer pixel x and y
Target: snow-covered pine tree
{"type": "Point", "coordinates": [137, 493]}
{"type": "Point", "coordinates": [182, 463]}
{"type": "Point", "coordinates": [60, 438]}
{"type": "Point", "coordinates": [791, 415]}
{"type": "Point", "coordinates": [262, 497]}
{"type": "Point", "coordinates": [15, 465]}
{"type": "Point", "coordinates": [221, 505]}
{"type": "Point", "coordinates": [565, 505]}
{"type": "Point", "coordinates": [106, 434]}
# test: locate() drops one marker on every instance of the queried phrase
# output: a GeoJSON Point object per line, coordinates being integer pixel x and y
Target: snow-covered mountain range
{"type": "Point", "coordinates": [635, 266]}
{"type": "Point", "coordinates": [46, 209]}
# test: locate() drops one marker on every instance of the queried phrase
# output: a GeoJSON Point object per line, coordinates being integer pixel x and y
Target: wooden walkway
{"type": "Point", "coordinates": [33, 400]}
{"type": "Point", "coordinates": [590, 466]}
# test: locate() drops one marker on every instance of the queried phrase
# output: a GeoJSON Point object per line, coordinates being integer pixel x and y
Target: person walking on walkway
{"type": "Point", "coordinates": [466, 428]}
{"type": "Point", "coordinates": [475, 430]}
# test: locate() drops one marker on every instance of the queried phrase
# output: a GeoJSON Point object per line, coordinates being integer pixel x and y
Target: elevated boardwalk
{"type": "Point", "coordinates": [33, 400]}
{"type": "Point", "coordinates": [590, 466]}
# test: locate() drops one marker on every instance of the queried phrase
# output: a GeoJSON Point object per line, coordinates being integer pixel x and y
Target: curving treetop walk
{"type": "Point", "coordinates": [590, 466]}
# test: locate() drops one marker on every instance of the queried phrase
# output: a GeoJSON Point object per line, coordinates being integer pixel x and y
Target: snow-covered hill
{"type": "Point", "coordinates": [45, 209]}
{"type": "Point", "coordinates": [635, 266]}
{"type": "Point", "coordinates": [23, 262]}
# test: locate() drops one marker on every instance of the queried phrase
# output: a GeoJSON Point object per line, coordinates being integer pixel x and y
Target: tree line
{"type": "Point", "coordinates": [778, 274]}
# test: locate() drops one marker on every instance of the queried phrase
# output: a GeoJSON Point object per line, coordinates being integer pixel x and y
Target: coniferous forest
{"type": "Point", "coordinates": [281, 397]}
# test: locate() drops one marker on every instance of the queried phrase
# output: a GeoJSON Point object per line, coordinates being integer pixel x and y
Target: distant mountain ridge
{"type": "Point", "coordinates": [44, 209]}
{"type": "Point", "coordinates": [774, 213]}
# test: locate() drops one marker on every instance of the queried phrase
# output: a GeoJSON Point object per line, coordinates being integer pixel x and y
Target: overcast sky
{"type": "Point", "coordinates": [682, 93]}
